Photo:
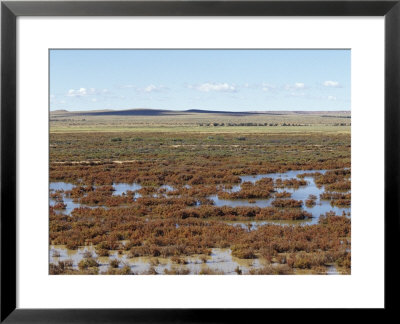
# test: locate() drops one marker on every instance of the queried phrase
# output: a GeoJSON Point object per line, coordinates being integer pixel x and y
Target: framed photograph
{"type": "Point", "coordinates": [163, 158]}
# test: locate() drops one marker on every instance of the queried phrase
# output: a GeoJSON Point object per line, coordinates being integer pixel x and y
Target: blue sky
{"type": "Point", "coordinates": [227, 80]}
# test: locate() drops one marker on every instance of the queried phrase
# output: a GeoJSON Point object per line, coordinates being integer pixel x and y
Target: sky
{"type": "Point", "coordinates": [224, 80]}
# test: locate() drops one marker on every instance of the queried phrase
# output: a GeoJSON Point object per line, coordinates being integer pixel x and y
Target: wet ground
{"type": "Point", "coordinates": [302, 193]}
{"type": "Point", "coordinates": [220, 260]}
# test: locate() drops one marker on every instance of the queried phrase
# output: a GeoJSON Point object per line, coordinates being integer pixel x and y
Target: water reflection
{"type": "Point", "coordinates": [254, 225]}
{"type": "Point", "coordinates": [71, 203]}
{"type": "Point", "coordinates": [302, 193]}
{"type": "Point", "coordinates": [122, 188]}
{"type": "Point", "coordinates": [220, 261]}
{"type": "Point", "coordinates": [61, 186]}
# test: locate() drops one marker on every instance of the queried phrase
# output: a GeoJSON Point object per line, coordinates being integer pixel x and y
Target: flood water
{"type": "Point", "coordinates": [220, 260]}
{"type": "Point", "coordinates": [123, 188]}
{"type": "Point", "coordinates": [119, 189]}
{"type": "Point", "coordinates": [302, 193]}
{"type": "Point", "coordinates": [254, 225]}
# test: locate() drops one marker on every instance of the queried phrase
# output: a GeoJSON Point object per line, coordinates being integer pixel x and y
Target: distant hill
{"type": "Point", "coordinates": [147, 112]}
{"type": "Point", "coordinates": [128, 112]}
{"type": "Point", "coordinates": [162, 112]}
{"type": "Point", "coordinates": [231, 113]}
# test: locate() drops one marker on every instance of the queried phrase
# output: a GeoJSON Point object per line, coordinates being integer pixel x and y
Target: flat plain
{"type": "Point", "coordinates": [197, 192]}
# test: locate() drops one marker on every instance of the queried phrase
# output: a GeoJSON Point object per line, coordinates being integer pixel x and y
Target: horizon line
{"type": "Point", "coordinates": [196, 109]}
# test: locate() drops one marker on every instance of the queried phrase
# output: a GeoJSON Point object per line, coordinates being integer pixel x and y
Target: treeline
{"type": "Point", "coordinates": [251, 124]}
{"type": "Point", "coordinates": [263, 124]}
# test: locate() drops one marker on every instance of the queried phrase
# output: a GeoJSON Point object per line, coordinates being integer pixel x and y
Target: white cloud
{"type": "Point", "coordinates": [82, 92]}
{"type": "Point", "coordinates": [299, 85]}
{"type": "Point", "coordinates": [219, 87]}
{"type": "Point", "coordinates": [333, 84]}
{"type": "Point", "coordinates": [332, 98]}
{"type": "Point", "coordinates": [295, 86]}
{"type": "Point", "coordinates": [267, 87]}
{"type": "Point", "coordinates": [154, 88]}
{"type": "Point", "coordinates": [77, 93]}
{"type": "Point", "coordinates": [252, 86]}
{"type": "Point", "coordinates": [149, 88]}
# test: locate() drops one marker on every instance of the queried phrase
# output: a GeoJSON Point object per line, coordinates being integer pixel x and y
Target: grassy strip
{"type": "Point", "coordinates": [205, 130]}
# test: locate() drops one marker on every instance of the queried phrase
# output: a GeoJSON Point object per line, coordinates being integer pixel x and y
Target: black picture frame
{"type": "Point", "coordinates": [10, 10]}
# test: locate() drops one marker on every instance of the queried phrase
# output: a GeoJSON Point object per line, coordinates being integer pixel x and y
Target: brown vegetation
{"type": "Point", "coordinates": [184, 222]}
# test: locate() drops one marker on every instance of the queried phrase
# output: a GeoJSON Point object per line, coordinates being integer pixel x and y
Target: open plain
{"type": "Point", "coordinates": [147, 191]}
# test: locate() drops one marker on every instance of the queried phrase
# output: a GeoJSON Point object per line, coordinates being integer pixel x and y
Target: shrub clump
{"type": "Point", "coordinates": [87, 263]}
{"type": "Point", "coordinates": [114, 263]}
{"type": "Point", "coordinates": [243, 252]}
